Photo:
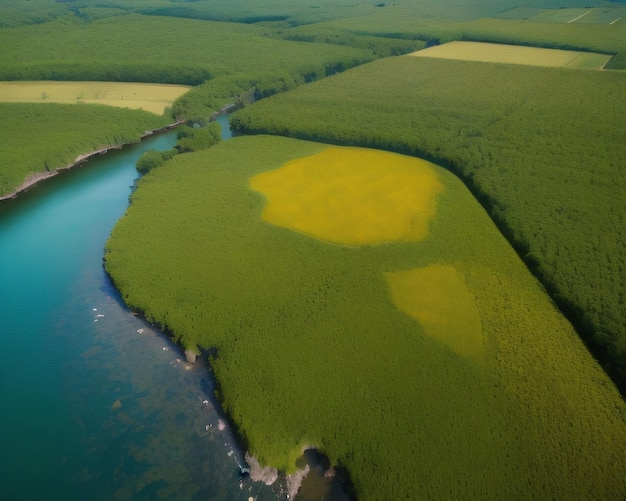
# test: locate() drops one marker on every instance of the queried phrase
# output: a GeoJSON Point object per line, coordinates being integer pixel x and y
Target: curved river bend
{"type": "Point", "coordinates": [94, 403]}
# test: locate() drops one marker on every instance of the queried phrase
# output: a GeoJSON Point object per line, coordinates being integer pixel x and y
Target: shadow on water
{"type": "Point", "coordinates": [323, 481]}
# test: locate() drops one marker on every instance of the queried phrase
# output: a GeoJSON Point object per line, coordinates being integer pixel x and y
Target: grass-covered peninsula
{"type": "Point", "coordinates": [429, 363]}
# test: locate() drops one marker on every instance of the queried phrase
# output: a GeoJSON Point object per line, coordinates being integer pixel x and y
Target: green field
{"type": "Point", "coordinates": [603, 38]}
{"type": "Point", "coordinates": [427, 368]}
{"type": "Point", "coordinates": [542, 148]}
{"type": "Point", "coordinates": [606, 15]}
{"type": "Point", "coordinates": [515, 54]}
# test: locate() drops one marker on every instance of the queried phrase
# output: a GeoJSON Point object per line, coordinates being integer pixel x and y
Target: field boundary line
{"type": "Point", "coordinates": [579, 17]}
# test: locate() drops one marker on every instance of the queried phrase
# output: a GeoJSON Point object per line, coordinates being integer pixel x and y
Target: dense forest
{"type": "Point", "coordinates": [340, 346]}
{"type": "Point", "coordinates": [122, 43]}
{"type": "Point", "coordinates": [237, 63]}
{"type": "Point", "coordinates": [42, 137]}
{"type": "Point", "coordinates": [310, 349]}
{"type": "Point", "coordinates": [542, 150]}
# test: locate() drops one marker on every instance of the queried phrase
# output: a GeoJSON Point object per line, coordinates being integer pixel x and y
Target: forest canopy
{"type": "Point", "coordinates": [42, 137]}
{"type": "Point", "coordinates": [339, 347]}
{"type": "Point", "coordinates": [448, 332]}
{"type": "Point", "coordinates": [542, 148]}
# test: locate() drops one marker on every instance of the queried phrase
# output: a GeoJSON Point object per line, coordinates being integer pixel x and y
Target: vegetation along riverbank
{"type": "Point", "coordinates": [388, 350]}
{"type": "Point", "coordinates": [362, 301]}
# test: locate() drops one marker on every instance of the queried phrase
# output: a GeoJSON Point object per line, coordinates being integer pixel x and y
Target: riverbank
{"type": "Point", "coordinates": [37, 177]}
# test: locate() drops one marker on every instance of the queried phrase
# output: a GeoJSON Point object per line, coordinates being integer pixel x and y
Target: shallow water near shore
{"type": "Point", "coordinates": [95, 403]}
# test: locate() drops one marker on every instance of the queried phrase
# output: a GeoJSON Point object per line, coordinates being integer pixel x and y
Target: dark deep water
{"type": "Point", "coordinates": [94, 403]}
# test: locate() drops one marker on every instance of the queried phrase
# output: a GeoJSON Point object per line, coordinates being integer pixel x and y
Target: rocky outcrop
{"type": "Point", "coordinates": [266, 474]}
{"type": "Point", "coordinates": [191, 356]}
{"type": "Point", "coordinates": [294, 481]}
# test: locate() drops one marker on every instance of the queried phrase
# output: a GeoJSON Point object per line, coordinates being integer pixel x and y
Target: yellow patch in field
{"type": "Point", "coordinates": [150, 97]}
{"type": "Point", "coordinates": [352, 196]}
{"type": "Point", "coordinates": [515, 54]}
{"type": "Point", "coordinates": [437, 297]}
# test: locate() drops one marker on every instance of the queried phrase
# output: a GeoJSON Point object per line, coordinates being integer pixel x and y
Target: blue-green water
{"type": "Point", "coordinates": [94, 403]}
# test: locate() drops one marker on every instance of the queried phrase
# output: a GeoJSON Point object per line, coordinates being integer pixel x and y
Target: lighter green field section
{"type": "Point", "coordinates": [515, 54]}
{"type": "Point", "coordinates": [352, 348]}
{"type": "Point", "coordinates": [149, 97]}
{"type": "Point", "coordinates": [439, 300]}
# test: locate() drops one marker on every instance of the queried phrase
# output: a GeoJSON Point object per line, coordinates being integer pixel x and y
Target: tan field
{"type": "Point", "coordinates": [352, 196]}
{"type": "Point", "coordinates": [150, 97]}
{"type": "Point", "coordinates": [515, 54]}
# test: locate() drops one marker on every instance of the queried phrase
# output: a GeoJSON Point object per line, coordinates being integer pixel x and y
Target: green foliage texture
{"type": "Point", "coordinates": [141, 48]}
{"type": "Point", "coordinates": [309, 350]}
{"type": "Point", "coordinates": [543, 149]}
{"type": "Point", "coordinates": [39, 137]}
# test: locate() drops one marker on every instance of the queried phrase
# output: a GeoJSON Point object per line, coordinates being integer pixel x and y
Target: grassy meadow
{"type": "Point", "coordinates": [515, 54]}
{"type": "Point", "coordinates": [149, 97]}
{"type": "Point", "coordinates": [431, 367]}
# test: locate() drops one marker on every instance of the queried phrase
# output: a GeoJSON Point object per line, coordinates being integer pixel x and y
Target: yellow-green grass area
{"type": "Point", "coordinates": [515, 54]}
{"type": "Point", "coordinates": [138, 96]}
{"type": "Point", "coordinates": [352, 196]}
{"type": "Point", "coordinates": [430, 369]}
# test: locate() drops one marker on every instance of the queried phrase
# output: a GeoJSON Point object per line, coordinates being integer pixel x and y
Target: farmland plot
{"type": "Point", "coordinates": [150, 97]}
{"type": "Point", "coordinates": [515, 54]}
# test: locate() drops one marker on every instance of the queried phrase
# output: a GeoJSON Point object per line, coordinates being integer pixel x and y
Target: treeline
{"type": "Point", "coordinates": [541, 148]}
{"type": "Point", "coordinates": [43, 137]}
{"type": "Point", "coordinates": [189, 138]}
{"type": "Point", "coordinates": [309, 349]}
{"type": "Point", "coordinates": [603, 38]}
{"type": "Point", "coordinates": [141, 71]}
{"type": "Point", "coordinates": [241, 89]}
{"type": "Point", "coordinates": [31, 12]}
{"type": "Point", "coordinates": [157, 49]}
{"type": "Point", "coordinates": [302, 12]}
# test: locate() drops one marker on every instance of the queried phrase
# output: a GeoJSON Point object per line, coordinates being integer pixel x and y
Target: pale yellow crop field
{"type": "Point", "coordinates": [352, 196]}
{"type": "Point", "coordinates": [515, 54]}
{"type": "Point", "coordinates": [438, 298]}
{"type": "Point", "coordinates": [149, 97]}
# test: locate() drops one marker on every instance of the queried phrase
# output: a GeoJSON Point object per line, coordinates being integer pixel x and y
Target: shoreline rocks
{"type": "Point", "coordinates": [191, 356]}
{"type": "Point", "coordinates": [266, 474]}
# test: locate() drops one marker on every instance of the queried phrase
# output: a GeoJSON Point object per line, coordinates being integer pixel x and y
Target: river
{"type": "Point", "coordinates": [95, 403]}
